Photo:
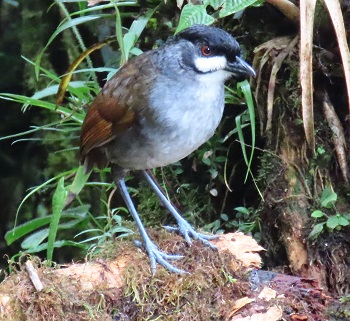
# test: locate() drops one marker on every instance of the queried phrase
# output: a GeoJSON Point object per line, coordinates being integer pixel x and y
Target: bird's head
{"type": "Point", "coordinates": [213, 50]}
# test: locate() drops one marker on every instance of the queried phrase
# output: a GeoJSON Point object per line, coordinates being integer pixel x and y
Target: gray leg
{"type": "Point", "coordinates": [184, 227]}
{"type": "Point", "coordinates": [155, 255]}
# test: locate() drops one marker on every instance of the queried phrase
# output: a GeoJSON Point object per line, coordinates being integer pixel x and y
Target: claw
{"type": "Point", "coordinates": [184, 228]}
{"type": "Point", "coordinates": [188, 232]}
{"type": "Point", "coordinates": [161, 257]}
{"type": "Point", "coordinates": [155, 255]}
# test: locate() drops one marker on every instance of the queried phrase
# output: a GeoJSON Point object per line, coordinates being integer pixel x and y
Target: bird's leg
{"type": "Point", "coordinates": [155, 255]}
{"type": "Point", "coordinates": [184, 227]}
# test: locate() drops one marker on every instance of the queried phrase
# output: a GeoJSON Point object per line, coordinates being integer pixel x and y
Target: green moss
{"type": "Point", "coordinates": [198, 295]}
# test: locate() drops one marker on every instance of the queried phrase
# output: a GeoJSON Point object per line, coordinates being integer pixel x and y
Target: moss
{"type": "Point", "coordinates": [208, 292]}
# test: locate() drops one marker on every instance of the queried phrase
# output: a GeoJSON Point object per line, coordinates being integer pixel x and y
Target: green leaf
{"type": "Point", "coordinates": [328, 198]}
{"type": "Point", "coordinates": [79, 181]}
{"type": "Point", "coordinates": [77, 214]}
{"type": "Point", "coordinates": [136, 51]}
{"type": "Point", "coordinates": [332, 222]}
{"type": "Point", "coordinates": [347, 216]}
{"type": "Point", "coordinates": [224, 217]}
{"type": "Point", "coordinates": [135, 31]}
{"type": "Point", "coordinates": [245, 87]}
{"type": "Point", "coordinates": [242, 210]}
{"type": "Point", "coordinates": [58, 201]}
{"type": "Point", "coordinates": [25, 228]}
{"type": "Point", "coordinates": [232, 6]}
{"type": "Point", "coordinates": [129, 40]}
{"type": "Point", "coordinates": [206, 161]}
{"type": "Point", "coordinates": [213, 172]}
{"type": "Point", "coordinates": [35, 239]}
{"type": "Point", "coordinates": [57, 244]}
{"type": "Point", "coordinates": [193, 14]}
{"type": "Point", "coordinates": [216, 4]}
{"type": "Point", "coordinates": [37, 188]}
{"type": "Point", "coordinates": [40, 103]}
{"type": "Point", "coordinates": [317, 230]}
{"type": "Point", "coordinates": [317, 214]}
{"type": "Point", "coordinates": [122, 231]}
{"type": "Point", "coordinates": [221, 159]}
{"type": "Point", "coordinates": [343, 221]}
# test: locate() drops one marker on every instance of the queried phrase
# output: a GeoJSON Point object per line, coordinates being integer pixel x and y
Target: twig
{"type": "Point", "coordinates": [34, 277]}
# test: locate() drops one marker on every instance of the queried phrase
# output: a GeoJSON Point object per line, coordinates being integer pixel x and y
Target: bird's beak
{"type": "Point", "coordinates": [240, 69]}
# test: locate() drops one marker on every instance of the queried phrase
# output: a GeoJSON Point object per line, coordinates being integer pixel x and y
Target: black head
{"type": "Point", "coordinates": [215, 50]}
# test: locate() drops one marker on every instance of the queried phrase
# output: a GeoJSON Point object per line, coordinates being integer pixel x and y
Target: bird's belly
{"type": "Point", "coordinates": [168, 136]}
{"type": "Point", "coordinates": [136, 150]}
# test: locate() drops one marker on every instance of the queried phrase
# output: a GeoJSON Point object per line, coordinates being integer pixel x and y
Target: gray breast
{"type": "Point", "coordinates": [184, 115]}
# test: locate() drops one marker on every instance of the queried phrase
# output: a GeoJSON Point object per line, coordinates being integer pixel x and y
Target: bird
{"type": "Point", "coordinates": [157, 109]}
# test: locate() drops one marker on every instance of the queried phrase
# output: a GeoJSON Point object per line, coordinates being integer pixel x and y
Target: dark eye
{"type": "Point", "coordinates": [206, 51]}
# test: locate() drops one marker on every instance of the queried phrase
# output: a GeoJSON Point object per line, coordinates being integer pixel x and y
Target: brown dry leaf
{"type": "Point", "coordinates": [267, 294]}
{"type": "Point", "coordinates": [239, 304]}
{"type": "Point", "coordinates": [272, 314]}
{"type": "Point", "coordinates": [243, 247]}
{"type": "Point", "coordinates": [268, 51]}
{"type": "Point", "coordinates": [297, 317]}
{"type": "Point", "coordinates": [277, 64]}
{"type": "Point", "coordinates": [339, 140]}
{"type": "Point", "coordinates": [288, 8]}
{"type": "Point", "coordinates": [307, 15]}
{"type": "Point", "coordinates": [338, 22]}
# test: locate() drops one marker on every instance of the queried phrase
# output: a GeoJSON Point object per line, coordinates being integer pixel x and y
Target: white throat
{"type": "Point", "coordinates": [209, 64]}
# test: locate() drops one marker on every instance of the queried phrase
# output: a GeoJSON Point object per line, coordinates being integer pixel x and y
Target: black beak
{"type": "Point", "coordinates": [240, 69]}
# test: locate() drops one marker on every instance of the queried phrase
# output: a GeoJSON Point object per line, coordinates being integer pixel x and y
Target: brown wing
{"type": "Point", "coordinates": [100, 127]}
{"type": "Point", "coordinates": [113, 111]}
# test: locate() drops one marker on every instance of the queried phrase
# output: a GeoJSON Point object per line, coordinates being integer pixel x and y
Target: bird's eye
{"type": "Point", "coordinates": [206, 51]}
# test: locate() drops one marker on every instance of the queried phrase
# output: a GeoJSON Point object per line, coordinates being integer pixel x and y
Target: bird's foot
{"type": "Point", "coordinates": [189, 233]}
{"type": "Point", "coordinates": [157, 256]}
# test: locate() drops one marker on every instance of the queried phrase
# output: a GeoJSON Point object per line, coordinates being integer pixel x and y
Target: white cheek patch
{"type": "Point", "coordinates": [218, 76]}
{"type": "Point", "coordinates": [210, 63]}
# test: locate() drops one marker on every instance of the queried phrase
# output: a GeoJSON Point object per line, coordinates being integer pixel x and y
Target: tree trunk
{"type": "Point", "coordinates": [291, 174]}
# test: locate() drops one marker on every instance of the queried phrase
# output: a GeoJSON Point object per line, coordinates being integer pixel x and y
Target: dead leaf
{"type": "Point", "coordinates": [339, 140]}
{"type": "Point", "coordinates": [243, 247]}
{"type": "Point", "coordinates": [267, 294]}
{"type": "Point", "coordinates": [297, 317]}
{"type": "Point", "coordinates": [307, 15]}
{"type": "Point", "coordinates": [239, 304]}
{"type": "Point", "coordinates": [272, 314]}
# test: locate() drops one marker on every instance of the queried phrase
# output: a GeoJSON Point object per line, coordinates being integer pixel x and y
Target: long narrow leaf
{"type": "Point", "coordinates": [238, 120]}
{"type": "Point", "coordinates": [35, 239]}
{"type": "Point", "coordinates": [43, 104]}
{"type": "Point", "coordinates": [64, 26]}
{"type": "Point", "coordinates": [31, 131]}
{"type": "Point", "coordinates": [245, 87]}
{"type": "Point", "coordinates": [58, 201]}
{"type": "Point", "coordinates": [75, 214]}
{"type": "Point", "coordinates": [136, 29]}
{"type": "Point", "coordinates": [307, 16]}
{"type": "Point", "coordinates": [78, 184]}
{"type": "Point", "coordinates": [68, 76]}
{"type": "Point", "coordinates": [336, 14]}
{"type": "Point", "coordinates": [36, 189]}
{"type": "Point", "coordinates": [57, 244]}
{"type": "Point", "coordinates": [99, 7]}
